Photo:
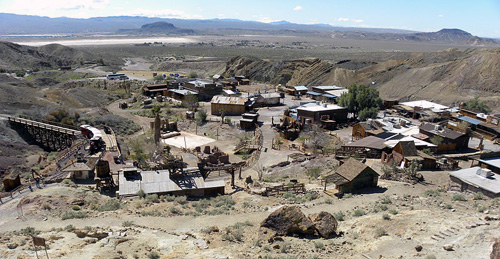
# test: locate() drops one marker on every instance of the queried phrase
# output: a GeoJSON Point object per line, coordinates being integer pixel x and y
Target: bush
{"type": "Point", "coordinates": [478, 196]}
{"type": "Point", "coordinates": [448, 206]}
{"type": "Point", "coordinates": [339, 216]}
{"type": "Point", "coordinates": [29, 231]}
{"type": "Point", "coordinates": [74, 215]}
{"type": "Point", "coordinates": [311, 196]}
{"type": "Point", "coordinates": [386, 200]}
{"type": "Point", "coordinates": [175, 210]}
{"type": "Point", "coordinates": [154, 255]}
{"type": "Point", "coordinates": [393, 211]}
{"type": "Point", "coordinates": [348, 195]}
{"type": "Point", "coordinates": [201, 116]}
{"type": "Point", "coordinates": [380, 232]}
{"type": "Point", "coordinates": [358, 213]}
{"type": "Point", "coordinates": [180, 200]}
{"type": "Point", "coordinates": [76, 207]}
{"type": "Point", "coordinates": [386, 216]}
{"type": "Point", "coordinates": [152, 198]}
{"type": "Point", "coordinates": [69, 228]}
{"type": "Point", "coordinates": [110, 205]}
{"type": "Point", "coordinates": [141, 194]}
{"type": "Point", "coordinates": [432, 193]}
{"type": "Point", "coordinates": [46, 206]}
{"type": "Point", "coordinates": [127, 223]}
{"type": "Point", "coordinates": [313, 173]}
{"type": "Point", "coordinates": [318, 245]}
{"type": "Point", "coordinates": [458, 197]}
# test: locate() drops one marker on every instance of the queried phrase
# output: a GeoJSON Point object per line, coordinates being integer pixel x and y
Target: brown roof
{"type": "Point", "coordinates": [369, 142]}
{"type": "Point", "coordinates": [348, 171]}
{"type": "Point", "coordinates": [445, 133]}
{"type": "Point", "coordinates": [408, 148]}
{"type": "Point", "coordinates": [79, 166]}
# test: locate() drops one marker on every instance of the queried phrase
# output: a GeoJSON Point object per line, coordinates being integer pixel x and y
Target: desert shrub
{"type": "Point", "coordinates": [151, 213]}
{"type": "Point", "coordinates": [318, 245]}
{"type": "Point", "coordinates": [339, 215]}
{"type": "Point", "coordinates": [383, 207]}
{"type": "Point", "coordinates": [75, 207]}
{"type": "Point", "coordinates": [201, 116]}
{"type": "Point", "coordinates": [169, 198]}
{"type": "Point", "coordinates": [386, 200]}
{"type": "Point", "coordinates": [432, 193]}
{"type": "Point", "coordinates": [29, 231]}
{"type": "Point", "coordinates": [380, 232]}
{"type": "Point", "coordinates": [313, 173]}
{"type": "Point", "coordinates": [458, 197]}
{"type": "Point", "coordinates": [393, 211]}
{"type": "Point", "coordinates": [46, 206]}
{"type": "Point", "coordinates": [74, 215]}
{"type": "Point", "coordinates": [68, 182]}
{"type": "Point", "coordinates": [448, 206]}
{"type": "Point", "coordinates": [69, 227]}
{"type": "Point", "coordinates": [175, 210]}
{"type": "Point", "coordinates": [478, 196]}
{"type": "Point", "coordinates": [110, 205]}
{"type": "Point", "coordinates": [311, 196]}
{"type": "Point", "coordinates": [347, 195]}
{"type": "Point", "coordinates": [246, 204]}
{"type": "Point", "coordinates": [152, 198]}
{"type": "Point", "coordinates": [329, 201]}
{"type": "Point", "coordinates": [154, 255]}
{"type": "Point", "coordinates": [141, 193]}
{"type": "Point", "coordinates": [386, 216]}
{"type": "Point", "coordinates": [223, 201]}
{"type": "Point", "coordinates": [127, 223]}
{"type": "Point", "coordinates": [358, 212]}
{"type": "Point", "coordinates": [180, 200]}
{"type": "Point", "coordinates": [481, 208]}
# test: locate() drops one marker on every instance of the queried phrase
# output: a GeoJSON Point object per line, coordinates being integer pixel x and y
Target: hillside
{"type": "Point", "coordinates": [15, 56]}
{"type": "Point", "coordinates": [157, 28]}
{"type": "Point", "coordinates": [448, 76]}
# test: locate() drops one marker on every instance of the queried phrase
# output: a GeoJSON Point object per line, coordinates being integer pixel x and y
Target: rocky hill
{"type": "Point", "coordinates": [157, 28]}
{"type": "Point", "coordinates": [15, 56]}
{"type": "Point", "coordinates": [448, 76]}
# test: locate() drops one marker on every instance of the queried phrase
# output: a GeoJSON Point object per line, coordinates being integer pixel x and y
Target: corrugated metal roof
{"type": "Point", "coordinates": [300, 88]}
{"type": "Point", "coordinates": [313, 93]}
{"type": "Point", "coordinates": [270, 95]}
{"type": "Point", "coordinates": [228, 100]}
{"type": "Point", "coordinates": [369, 142]}
{"type": "Point", "coordinates": [327, 87]}
{"type": "Point", "coordinates": [495, 161]}
{"type": "Point", "coordinates": [470, 120]}
{"type": "Point", "coordinates": [160, 182]}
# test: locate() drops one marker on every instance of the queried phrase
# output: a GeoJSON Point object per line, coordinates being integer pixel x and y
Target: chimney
{"type": "Point", "coordinates": [484, 172]}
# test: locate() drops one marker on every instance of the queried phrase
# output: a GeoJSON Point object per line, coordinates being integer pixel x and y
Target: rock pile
{"type": "Point", "coordinates": [290, 220]}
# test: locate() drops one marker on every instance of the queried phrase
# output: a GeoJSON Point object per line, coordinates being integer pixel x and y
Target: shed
{"type": "Point", "coordinates": [476, 179]}
{"type": "Point", "coordinates": [12, 181]}
{"type": "Point", "coordinates": [296, 90]}
{"type": "Point", "coordinates": [315, 112]}
{"type": "Point", "coordinates": [352, 176]}
{"type": "Point", "coordinates": [230, 105]}
{"type": "Point", "coordinates": [267, 99]}
{"type": "Point", "coordinates": [79, 170]}
{"type": "Point", "coordinates": [370, 146]}
{"type": "Point", "coordinates": [452, 140]}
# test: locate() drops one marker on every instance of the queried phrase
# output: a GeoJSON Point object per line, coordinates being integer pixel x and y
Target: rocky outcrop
{"type": "Point", "coordinates": [495, 253]}
{"type": "Point", "coordinates": [324, 223]}
{"type": "Point", "coordinates": [289, 220]}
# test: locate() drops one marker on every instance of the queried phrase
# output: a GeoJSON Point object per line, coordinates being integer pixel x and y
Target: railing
{"type": "Point", "coordinates": [276, 190]}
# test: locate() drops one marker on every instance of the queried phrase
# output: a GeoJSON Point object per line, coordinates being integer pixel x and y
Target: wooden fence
{"type": "Point", "coordinates": [281, 189]}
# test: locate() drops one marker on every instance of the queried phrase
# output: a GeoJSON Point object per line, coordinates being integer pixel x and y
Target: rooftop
{"type": "Point", "coordinates": [300, 88]}
{"type": "Point", "coordinates": [218, 99]}
{"type": "Point", "coordinates": [182, 91]}
{"type": "Point", "coordinates": [446, 133]}
{"type": "Point", "coordinates": [327, 87]}
{"type": "Point", "coordinates": [470, 176]}
{"type": "Point", "coordinates": [314, 107]}
{"type": "Point", "coordinates": [495, 161]}
{"type": "Point", "coordinates": [369, 142]}
{"type": "Point", "coordinates": [160, 182]}
{"type": "Point", "coordinates": [424, 104]}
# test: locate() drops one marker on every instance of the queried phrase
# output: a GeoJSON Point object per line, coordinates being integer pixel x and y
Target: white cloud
{"type": "Point", "coordinates": [161, 13]}
{"type": "Point", "coordinates": [298, 8]}
{"type": "Point", "coordinates": [350, 20]}
{"type": "Point", "coordinates": [440, 15]}
{"type": "Point", "coordinates": [55, 8]}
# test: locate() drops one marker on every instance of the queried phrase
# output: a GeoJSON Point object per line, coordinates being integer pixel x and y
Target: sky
{"type": "Point", "coordinates": [479, 17]}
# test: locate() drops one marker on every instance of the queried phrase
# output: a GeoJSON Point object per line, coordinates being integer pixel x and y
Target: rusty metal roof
{"type": "Point", "coordinates": [219, 99]}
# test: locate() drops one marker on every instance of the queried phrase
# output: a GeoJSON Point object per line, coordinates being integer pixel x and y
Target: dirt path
{"type": "Point", "coordinates": [142, 121]}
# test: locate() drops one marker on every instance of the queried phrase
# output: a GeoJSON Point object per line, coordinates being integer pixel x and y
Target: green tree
{"type": "Point", "coordinates": [193, 75]}
{"type": "Point", "coordinates": [476, 105]}
{"type": "Point", "coordinates": [201, 116]}
{"type": "Point", "coordinates": [190, 102]}
{"type": "Point", "coordinates": [361, 100]}
{"type": "Point", "coordinates": [156, 110]}
{"type": "Point", "coordinates": [436, 140]}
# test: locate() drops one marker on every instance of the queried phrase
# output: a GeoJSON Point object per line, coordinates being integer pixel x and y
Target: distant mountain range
{"type": "Point", "coordinates": [12, 24]}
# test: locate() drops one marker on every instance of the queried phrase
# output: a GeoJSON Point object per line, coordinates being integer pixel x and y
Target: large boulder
{"type": "Point", "coordinates": [289, 220]}
{"type": "Point", "coordinates": [325, 223]}
{"type": "Point", "coordinates": [495, 253]}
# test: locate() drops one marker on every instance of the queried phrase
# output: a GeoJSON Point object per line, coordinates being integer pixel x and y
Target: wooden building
{"type": "Point", "coordinates": [296, 90]}
{"type": "Point", "coordinates": [315, 112]}
{"type": "Point", "coordinates": [405, 152]}
{"type": "Point", "coordinates": [371, 147]}
{"type": "Point", "coordinates": [475, 179]}
{"type": "Point", "coordinates": [249, 120]}
{"type": "Point", "coordinates": [364, 129]}
{"type": "Point", "coordinates": [452, 140]}
{"type": "Point", "coordinates": [12, 181]}
{"type": "Point", "coordinates": [352, 176]}
{"type": "Point", "coordinates": [206, 89]}
{"type": "Point", "coordinates": [267, 99]}
{"type": "Point", "coordinates": [228, 105]}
